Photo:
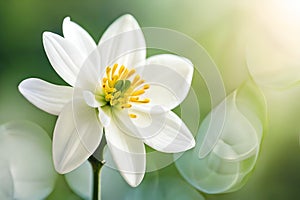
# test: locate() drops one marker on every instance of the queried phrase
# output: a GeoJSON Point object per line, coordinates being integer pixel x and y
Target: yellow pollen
{"type": "Point", "coordinates": [121, 70]}
{"type": "Point", "coordinates": [144, 101]}
{"type": "Point", "coordinates": [133, 99]}
{"type": "Point", "coordinates": [136, 100]}
{"type": "Point", "coordinates": [114, 69]}
{"type": "Point", "coordinates": [130, 73]}
{"type": "Point", "coordinates": [119, 90]}
{"type": "Point", "coordinates": [147, 86]}
{"type": "Point", "coordinates": [124, 75]}
{"type": "Point", "coordinates": [127, 105]}
{"type": "Point", "coordinates": [132, 115]}
{"type": "Point", "coordinates": [115, 77]}
{"type": "Point", "coordinates": [138, 83]}
{"type": "Point", "coordinates": [108, 97]}
{"type": "Point", "coordinates": [138, 92]}
{"type": "Point", "coordinates": [107, 72]}
{"type": "Point", "coordinates": [136, 78]}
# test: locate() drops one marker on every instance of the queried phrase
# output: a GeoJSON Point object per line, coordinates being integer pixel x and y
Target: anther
{"type": "Point", "coordinates": [121, 70]}
{"type": "Point", "coordinates": [114, 69]}
{"type": "Point", "coordinates": [139, 82]}
{"type": "Point", "coordinates": [130, 73]}
{"type": "Point", "coordinates": [136, 78]}
{"type": "Point", "coordinates": [138, 92]}
{"type": "Point", "coordinates": [147, 86]}
{"type": "Point", "coordinates": [104, 80]}
{"type": "Point", "coordinates": [134, 99]}
{"type": "Point", "coordinates": [124, 75]}
{"type": "Point", "coordinates": [107, 72]}
{"type": "Point", "coordinates": [132, 115]}
{"type": "Point", "coordinates": [144, 101]}
{"type": "Point", "coordinates": [127, 105]}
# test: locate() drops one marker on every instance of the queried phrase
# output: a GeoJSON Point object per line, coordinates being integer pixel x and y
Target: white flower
{"type": "Point", "coordinates": [117, 89]}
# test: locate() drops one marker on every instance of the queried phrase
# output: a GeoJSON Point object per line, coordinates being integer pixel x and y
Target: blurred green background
{"type": "Point", "coordinates": [223, 28]}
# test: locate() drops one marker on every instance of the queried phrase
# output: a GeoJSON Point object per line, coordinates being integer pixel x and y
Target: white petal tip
{"type": "Point", "coordinates": [128, 19]}
{"type": "Point", "coordinates": [46, 34]}
{"type": "Point", "coordinates": [67, 19]}
{"type": "Point", "coordinates": [21, 86]}
{"type": "Point", "coordinates": [24, 86]}
{"type": "Point", "coordinates": [132, 179]}
{"type": "Point", "coordinates": [59, 169]}
{"type": "Point", "coordinates": [184, 148]}
{"type": "Point", "coordinates": [193, 143]}
{"type": "Point", "coordinates": [62, 169]}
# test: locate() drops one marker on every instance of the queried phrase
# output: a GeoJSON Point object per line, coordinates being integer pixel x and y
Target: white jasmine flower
{"type": "Point", "coordinates": [115, 88]}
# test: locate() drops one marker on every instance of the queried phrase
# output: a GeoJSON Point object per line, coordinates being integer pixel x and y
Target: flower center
{"type": "Point", "coordinates": [121, 87]}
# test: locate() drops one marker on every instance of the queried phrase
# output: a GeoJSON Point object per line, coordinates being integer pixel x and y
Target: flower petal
{"type": "Point", "coordinates": [25, 152]}
{"type": "Point", "coordinates": [78, 36]}
{"type": "Point", "coordinates": [90, 100]}
{"type": "Point", "coordinates": [145, 125]}
{"type": "Point", "coordinates": [103, 117]}
{"type": "Point", "coordinates": [64, 56]}
{"type": "Point", "coordinates": [165, 132]}
{"type": "Point", "coordinates": [46, 96]}
{"type": "Point", "coordinates": [128, 153]}
{"type": "Point", "coordinates": [173, 136]}
{"type": "Point", "coordinates": [123, 36]}
{"type": "Point", "coordinates": [76, 136]}
{"type": "Point", "coordinates": [169, 77]}
{"type": "Point", "coordinates": [90, 68]}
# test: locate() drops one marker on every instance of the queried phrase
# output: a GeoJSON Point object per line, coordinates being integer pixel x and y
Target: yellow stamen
{"type": "Point", "coordinates": [125, 92]}
{"type": "Point", "coordinates": [147, 86]}
{"type": "Point", "coordinates": [127, 105]}
{"type": "Point", "coordinates": [114, 69]}
{"type": "Point", "coordinates": [121, 70]}
{"type": "Point", "coordinates": [130, 73]}
{"type": "Point", "coordinates": [109, 90]}
{"type": "Point", "coordinates": [115, 78]}
{"type": "Point", "coordinates": [138, 83]}
{"type": "Point", "coordinates": [138, 92]}
{"type": "Point", "coordinates": [124, 75]}
{"type": "Point", "coordinates": [134, 99]}
{"type": "Point", "coordinates": [107, 72]}
{"type": "Point", "coordinates": [136, 78]}
{"type": "Point", "coordinates": [144, 101]}
{"type": "Point", "coordinates": [104, 80]}
{"type": "Point", "coordinates": [108, 97]}
{"type": "Point", "coordinates": [132, 115]}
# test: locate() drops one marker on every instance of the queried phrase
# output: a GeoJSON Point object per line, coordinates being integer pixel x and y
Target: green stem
{"type": "Point", "coordinates": [96, 165]}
